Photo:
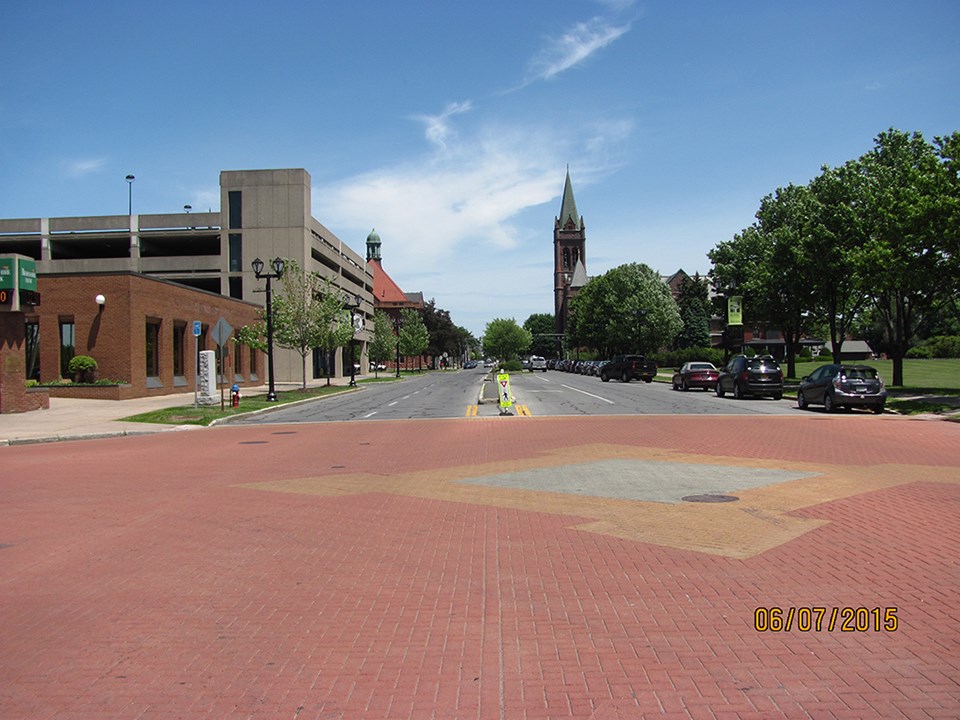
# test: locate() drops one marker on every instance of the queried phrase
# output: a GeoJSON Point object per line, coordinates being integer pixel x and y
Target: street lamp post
{"type": "Point", "coordinates": [356, 328]}
{"type": "Point", "coordinates": [130, 179]}
{"type": "Point", "coordinates": [397, 324]}
{"type": "Point", "coordinates": [277, 273]}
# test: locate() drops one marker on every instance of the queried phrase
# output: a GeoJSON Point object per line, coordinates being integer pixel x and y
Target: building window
{"type": "Point", "coordinates": [67, 345]}
{"type": "Point", "coordinates": [235, 252]}
{"type": "Point", "coordinates": [179, 343]}
{"type": "Point", "coordinates": [236, 287]}
{"type": "Point", "coordinates": [237, 362]}
{"type": "Point", "coordinates": [153, 348]}
{"type": "Point", "coordinates": [33, 350]}
{"type": "Point", "coordinates": [234, 200]}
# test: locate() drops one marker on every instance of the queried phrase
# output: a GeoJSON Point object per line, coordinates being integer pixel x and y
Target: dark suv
{"type": "Point", "coordinates": [744, 376]}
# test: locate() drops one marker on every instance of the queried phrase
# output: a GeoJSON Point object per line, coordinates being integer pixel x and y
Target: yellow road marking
{"type": "Point", "coordinates": [471, 411]}
{"type": "Point", "coordinates": [523, 410]}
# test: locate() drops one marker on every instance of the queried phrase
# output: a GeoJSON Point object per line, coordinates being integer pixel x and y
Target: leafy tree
{"type": "Point", "coordinates": [627, 309]}
{"type": "Point", "coordinates": [414, 337]}
{"type": "Point", "coordinates": [542, 328]}
{"type": "Point", "coordinates": [907, 210]}
{"type": "Point", "coordinates": [382, 346]}
{"type": "Point", "coordinates": [786, 279]}
{"type": "Point", "coordinates": [694, 306]}
{"type": "Point", "coordinates": [443, 335]}
{"type": "Point", "coordinates": [504, 339]}
{"type": "Point", "coordinates": [833, 247]}
{"type": "Point", "coordinates": [308, 313]}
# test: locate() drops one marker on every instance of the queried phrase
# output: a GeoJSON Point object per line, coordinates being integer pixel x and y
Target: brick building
{"type": "Point", "coordinates": [263, 214]}
{"type": "Point", "coordinates": [142, 333]}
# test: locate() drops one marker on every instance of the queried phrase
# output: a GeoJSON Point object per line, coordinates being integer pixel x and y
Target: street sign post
{"type": "Point", "coordinates": [221, 335]}
{"type": "Point", "coordinates": [197, 329]}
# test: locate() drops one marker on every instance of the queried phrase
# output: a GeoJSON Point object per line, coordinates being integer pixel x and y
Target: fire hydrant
{"type": "Point", "coordinates": [235, 393]}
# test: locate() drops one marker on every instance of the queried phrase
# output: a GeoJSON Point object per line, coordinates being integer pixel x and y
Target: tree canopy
{"type": "Point", "coordinates": [627, 309]}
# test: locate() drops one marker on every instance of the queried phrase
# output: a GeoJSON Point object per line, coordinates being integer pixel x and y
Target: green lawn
{"type": "Point", "coordinates": [204, 415]}
{"type": "Point", "coordinates": [918, 375]}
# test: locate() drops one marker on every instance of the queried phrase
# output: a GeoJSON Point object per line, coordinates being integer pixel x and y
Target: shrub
{"type": "Point", "coordinates": [921, 352]}
{"type": "Point", "coordinates": [79, 363]}
{"type": "Point", "coordinates": [511, 366]}
{"type": "Point", "coordinates": [676, 358]}
{"type": "Point", "coordinates": [83, 368]}
{"type": "Point", "coordinates": [945, 346]}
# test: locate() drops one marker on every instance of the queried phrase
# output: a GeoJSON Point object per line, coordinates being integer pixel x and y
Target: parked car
{"type": "Point", "coordinates": [469, 364]}
{"type": "Point", "coordinates": [629, 367]}
{"type": "Point", "coordinates": [848, 386]}
{"type": "Point", "coordinates": [537, 363]}
{"type": "Point", "coordinates": [696, 375]}
{"type": "Point", "coordinates": [747, 377]}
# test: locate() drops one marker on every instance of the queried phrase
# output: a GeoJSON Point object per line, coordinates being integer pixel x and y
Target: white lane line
{"type": "Point", "coordinates": [370, 415]}
{"type": "Point", "coordinates": [393, 403]}
{"type": "Point", "coordinates": [590, 394]}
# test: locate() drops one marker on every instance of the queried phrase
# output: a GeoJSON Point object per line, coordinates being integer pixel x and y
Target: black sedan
{"type": "Point", "coordinates": [835, 386]}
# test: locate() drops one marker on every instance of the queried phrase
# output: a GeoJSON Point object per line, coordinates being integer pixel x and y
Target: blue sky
{"type": "Point", "coordinates": [449, 126]}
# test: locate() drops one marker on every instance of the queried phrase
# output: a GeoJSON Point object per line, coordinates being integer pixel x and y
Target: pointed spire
{"type": "Point", "coordinates": [568, 208]}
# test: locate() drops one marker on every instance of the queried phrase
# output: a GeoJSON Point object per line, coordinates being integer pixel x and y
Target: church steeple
{"type": "Point", "coordinates": [569, 217]}
{"type": "Point", "coordinates": [569, 256]}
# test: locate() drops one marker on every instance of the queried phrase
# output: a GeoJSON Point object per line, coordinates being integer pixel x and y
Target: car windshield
{"type": "Point", "coordinates": [763, 363]}
{"type": "Point", "coordinates": [701, 366]}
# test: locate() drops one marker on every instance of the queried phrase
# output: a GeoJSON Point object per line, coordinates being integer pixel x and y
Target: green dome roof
{"type": "Point", "coordinates": [373, 238]}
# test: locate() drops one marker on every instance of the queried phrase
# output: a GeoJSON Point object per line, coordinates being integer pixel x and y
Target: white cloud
{"type": "Point", "coordinates": [575, 46]}
{"type": "Point", "coordinates": [438, 129]}
{"type": "Point", "coordinates": [81, 168]}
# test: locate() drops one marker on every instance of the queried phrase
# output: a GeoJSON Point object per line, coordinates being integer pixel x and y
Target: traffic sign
{"type": "Point", "coordinates": [197, 328]}
{"type": "Point", "coordinates": [221, 332]}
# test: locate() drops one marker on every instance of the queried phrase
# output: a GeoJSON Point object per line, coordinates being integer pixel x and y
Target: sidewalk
{"type": "Point", "coordinates": [74, 419]}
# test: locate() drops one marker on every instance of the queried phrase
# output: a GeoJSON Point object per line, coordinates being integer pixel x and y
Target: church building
{"type": "Point", "coordinates": [569, 256]}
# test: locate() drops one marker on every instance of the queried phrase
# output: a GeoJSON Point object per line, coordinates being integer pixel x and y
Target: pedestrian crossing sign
{"type": "Point", "coordinates": [503, 390]}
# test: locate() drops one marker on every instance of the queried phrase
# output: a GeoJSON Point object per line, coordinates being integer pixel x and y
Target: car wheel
{"type": "Point", "coordinates": [686, 386]}
{"type": "Point", "coordinates": [828, 405]}
{"type": "Point", "coordinates": [719, 390]}
{"type": "Point", "coordinates": [878, 409]}
{"type": "Point", "coordinates": [738, 391]}
{"type": "Point", "coordinates": [778, 396]}
{"type": "Point", "coordinates": [604, 377]}
{"type": "Point", "coordinates": [802, 401]}
{"type": "Point", "coordinates": [675, 386]}
{"type": "Point", "coordinates": [625, 377]}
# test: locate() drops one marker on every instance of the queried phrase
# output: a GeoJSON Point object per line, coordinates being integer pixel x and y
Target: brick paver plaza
{"type": "Point", "coordinates": [486, 568]}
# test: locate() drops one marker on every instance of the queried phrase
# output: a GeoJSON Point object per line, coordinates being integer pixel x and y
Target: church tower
{"type": "Point", "coordinates": [569, 256]}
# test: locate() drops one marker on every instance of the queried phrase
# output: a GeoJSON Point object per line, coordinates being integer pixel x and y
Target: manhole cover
{"type": "Point", "coordinates": [710, 498]}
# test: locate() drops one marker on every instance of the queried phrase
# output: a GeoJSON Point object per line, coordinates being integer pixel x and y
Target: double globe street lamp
{"type": "Point", "coordinates": [356, 322]}
{"type": "Point", "coordinates": [277, 273]}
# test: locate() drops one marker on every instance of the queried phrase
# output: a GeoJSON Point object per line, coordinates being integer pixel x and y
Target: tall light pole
{"type": "Point", "coordinates": [357, 327]}
{"type": "Point", "coordinates": [397, 324]}
{"type": "Point", "coordinates": [130, 179]}
{"type": "Point", "coordinates": [277, 273]}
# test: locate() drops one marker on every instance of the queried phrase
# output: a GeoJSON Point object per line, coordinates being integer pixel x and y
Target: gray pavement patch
{"type": "Point", "coordinates": [643, 480]}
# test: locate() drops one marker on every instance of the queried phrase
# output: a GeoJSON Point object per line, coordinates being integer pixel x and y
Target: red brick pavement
{"type": "Point", "coordinates": [140, 578]}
